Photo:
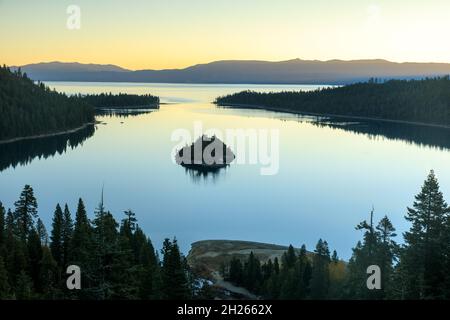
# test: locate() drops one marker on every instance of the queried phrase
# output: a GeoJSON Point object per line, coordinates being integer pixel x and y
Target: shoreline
{"type": "Point", "coordinates": [284, 110]}
{"type": "Point", "coordinates": [46, 135]}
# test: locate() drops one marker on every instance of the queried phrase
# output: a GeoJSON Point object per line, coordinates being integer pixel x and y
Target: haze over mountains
{"type": "Point", "coordinates": [239, 71]}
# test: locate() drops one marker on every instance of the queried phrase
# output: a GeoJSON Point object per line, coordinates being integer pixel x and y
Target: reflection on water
{"type": "Point", "coordinates": [210, 175]}
{"type": "Point", "coordinates": [25, 151]}
{"type": "Point", "coordinates": [331, 170]}
{"type": "Point", "coordinates": [436, 137]}
{"type": "Point", "coordinates": [123, 113]}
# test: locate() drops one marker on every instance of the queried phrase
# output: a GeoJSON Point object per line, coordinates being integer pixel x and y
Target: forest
{"type": "Point", "coordinates": [118, 261]}
{"type": "Point", "coordinates": [424, 101]}
{"type": "Point", "coordinates": [121, 100]}
{"type": "Point", "coordinates": [28, 108]}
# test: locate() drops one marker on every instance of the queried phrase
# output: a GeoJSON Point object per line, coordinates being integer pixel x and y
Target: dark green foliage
{"type": "Point", "coordinates": [4, 285]}
{"type": "Point", "coordinates": [42, 232]}
{"type": "Point", "coordinates": [378, 248]}
{"type": "Point", "coordinates": [56, 236]}
{"type": "Point", "coordinates": [173, 272]}
{"type": "Point", "coordinates": [116, 263]}
{"type": "Point", "coordinates": [66, 236]}
{"type": "Point", "coordinates": [426, 101]}
{"type": "Point", "coordinates": [320, 280]}
{"type": "Point", "coordinates": [422, 269]}
{"type": "Point", "coordinates": [121, 100]}
{"type": "Point", "coordinates": [48, 274]}
{"type": "Point", "coordinates": [29, 109]}
{"type": "Point", "coordinates": [26, 211]}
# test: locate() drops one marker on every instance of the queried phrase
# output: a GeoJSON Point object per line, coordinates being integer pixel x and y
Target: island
{"type": "Point", "coordinates": [206, 154]}
{"type": "Point", "coordinates": [425, 102]}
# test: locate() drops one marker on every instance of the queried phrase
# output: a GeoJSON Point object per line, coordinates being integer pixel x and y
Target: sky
{"type": "Point", "coordinates": [147, 34]}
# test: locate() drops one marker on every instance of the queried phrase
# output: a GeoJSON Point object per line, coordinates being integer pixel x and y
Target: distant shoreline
{"type": "Point", "coordinates": [45, 135]}
{"type": "Point", "coordinates": [285, 110]}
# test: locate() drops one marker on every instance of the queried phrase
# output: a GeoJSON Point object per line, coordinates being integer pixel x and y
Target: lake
{"type": "Point", "coordinates": [331, 171]}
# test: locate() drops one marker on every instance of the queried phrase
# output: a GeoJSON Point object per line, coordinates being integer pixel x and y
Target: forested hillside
{"type": "Point", "coordinates": [28, 109]}
{"type": "Point", "coordinates": [117, 261]}
{"type": "Point", "coordinates": [426, 101]}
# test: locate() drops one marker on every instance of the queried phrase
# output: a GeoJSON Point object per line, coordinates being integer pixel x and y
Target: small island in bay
{"type": "Point", "coordinates": [206, 154]}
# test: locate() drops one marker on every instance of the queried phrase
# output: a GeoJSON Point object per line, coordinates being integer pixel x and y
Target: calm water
{"type": "Point", "coordinates": [331, 172]}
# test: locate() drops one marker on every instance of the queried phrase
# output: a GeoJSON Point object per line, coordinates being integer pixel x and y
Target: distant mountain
{"type": "Point", "coordinates": [284, 72]}
{"type": "Point", "coordinates": [67, 71]}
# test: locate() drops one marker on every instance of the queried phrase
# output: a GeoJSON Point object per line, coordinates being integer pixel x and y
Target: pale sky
{"type": "Point", "coordinates": [147, 34]}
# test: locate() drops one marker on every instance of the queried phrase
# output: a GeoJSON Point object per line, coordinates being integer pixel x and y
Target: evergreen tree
{"type": "Point", "coordinates": [320, 272]}
{"type": "Point", "coordinates": [66, 236]}
{"type": "Point", "coordinates": [24, 287]}
{"type": "Point", "coordinates": [26, 211]}
{"type": "Point", "coordinates": [235, 273]}
{"type": "Point", "coordinates": [56, 237]}
{"type": "Point", "coordinates": [15, 247]}
{"type": "Point", "coordinates": [34, 257]}
{"type": "Point", "coordinates": [335, 257]}
{"type": "Point", "coordinates": [386, 253]}
{"type": "Point", "coordinates": [174, 281]}
{"type": "Point", "coordinates": [423, 257]}
{"type": "Point", "coordinates": [48, 274]}
{"type": "Point", "coordinates": [82, 236]}
{"type": "Point", "coordinates": [42, 232]}
{"type": "Point", "coordinates": [252, 273]}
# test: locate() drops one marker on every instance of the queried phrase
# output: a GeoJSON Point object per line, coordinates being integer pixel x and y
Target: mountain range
{"type": "Point", "coordinates": [295, 71]}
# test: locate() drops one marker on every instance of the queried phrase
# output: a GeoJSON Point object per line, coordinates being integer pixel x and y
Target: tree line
{"type": "Point", "coordinates": [117, 261]}
{"type": "Point", "coordinates": [121, 100]}
{"type": "Point", "coordinates": [28, 109]}
{"type": "Point", "coordinates": [417, 269]}
{"type": "Point", "coordinates": [425, 101]}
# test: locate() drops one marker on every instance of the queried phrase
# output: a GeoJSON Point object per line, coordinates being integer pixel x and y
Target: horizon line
{"type": "Point", "coordinates": [228, 60]}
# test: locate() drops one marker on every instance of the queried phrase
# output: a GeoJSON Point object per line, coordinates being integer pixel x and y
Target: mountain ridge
{"type": "Point", "coordinates": [294, 71]}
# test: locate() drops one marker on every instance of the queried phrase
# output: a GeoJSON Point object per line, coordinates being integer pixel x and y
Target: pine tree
{"type": "Point", "coordinates": [106, 251]}
{"type": "Point", "coordinates": [26, 211]}
{"type": "Point", "coordinates": [56, 237]}
{"type": "Point", "coordinates": [174, 281]}
{"type": "Point", "coordinates": [252, 273]}
{"type": "Point", "coordinates": [335, 257]}
{"type": "Point", "coordinates": [16, 258]}
{"type": "Point", "coordinates": [66, 236]}
{"type": "Point", "coordinates": [320, 272]}
{"type": "Point", "coordinates": [386, 253]}
{"type": "Point", "coordinates": [423, 257]}
{"type": "Point", "coordinates": [34, 257]}
{"type": "Point", "coordinates": [289, 258]}
{"type": "Point", "coordinates": [42, 232]}
{"type": "Point", "coordinates": [82, 236]}
{"type": "Point", "coordinates": [48, 274]}
{"type": "Point", "coordinates": [24, 287]}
